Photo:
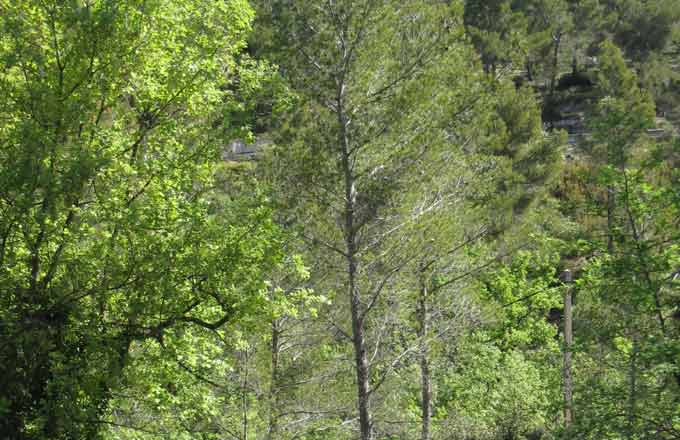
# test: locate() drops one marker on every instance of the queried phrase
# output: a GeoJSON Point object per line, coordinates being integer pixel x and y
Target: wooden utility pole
{"type": "Point", "coordinates": [568, 279]}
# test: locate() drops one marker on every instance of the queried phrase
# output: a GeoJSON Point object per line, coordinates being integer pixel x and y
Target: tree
{"type": "Point", "coordinates": [626, 290]}
{"type": "Point", "coordinates": [505, 381]}
{"type": "Point", "coordinates": [629, 291]}
{"type": "Point", "coordinates": [355, 155]}
{"type": "Point", "coordinates": [457, 249]}
{"type": "Point", "coordinates": [550, 25]}
{"type": "Point", "coordinates": [498, 31]}
{"type": "Point", "coordinates": [115, 116]}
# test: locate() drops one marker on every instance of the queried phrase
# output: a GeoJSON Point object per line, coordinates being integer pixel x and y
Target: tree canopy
{"type": "Point", "coordinates": [350, 219]}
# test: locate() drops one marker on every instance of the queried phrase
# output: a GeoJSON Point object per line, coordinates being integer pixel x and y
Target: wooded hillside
{"type": "Point", "coordinates": [340, 219]}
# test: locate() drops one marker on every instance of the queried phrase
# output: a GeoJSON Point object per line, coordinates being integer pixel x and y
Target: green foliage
{"type": "Point", "coordinates": [498, 32]}
{"type": "Point", "coordinates": [629, 354]}
{"type": "Point", "coordinates": [526, 160]}
{"type": "Point", "coordinates": [398, 216]}
{"type": "Point", "coordinates": [614, 77]}
{"type": "Point", "coordinates": [526, 291]}
{"type": "Point", "coordinates": [110, 232]}
{"type": "Point", "coordinates": [496, 394]}
{"type": "Point", "coordinates": [644, 28]}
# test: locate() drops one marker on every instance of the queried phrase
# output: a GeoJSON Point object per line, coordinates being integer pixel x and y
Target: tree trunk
{"type": "Point", "coordinates": [358, 337]}
{"type": "Point", "coordinates": [425, 382]}
{"type": "Point", "coordinates": [244, 397]}
{"type": "Point", "coordinates": [273, 429]}
{"type": "Point", "coordinates": [568, 341]}
{"type": "Point", "coordinates": [557, 39]}
{"type": "Point", "coordinates": [361, 362]}
{"type": "Point", "coordinates": [632, 397]}
{"type": "Point", "coordinates": [611, 200]}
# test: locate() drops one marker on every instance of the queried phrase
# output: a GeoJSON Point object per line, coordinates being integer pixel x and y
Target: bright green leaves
{"type": "Point", "coordinates": [110, 228]}
{"type": "Point", "coordinates": [491, 393]}
{"type": "Point", "coordinates": [527, 294]}
{"type": "Point", "coordinates": [630, 356]}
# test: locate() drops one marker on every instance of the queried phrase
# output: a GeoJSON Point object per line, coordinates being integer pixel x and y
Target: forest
{"type": "Point", "coordinates": [340, 219]}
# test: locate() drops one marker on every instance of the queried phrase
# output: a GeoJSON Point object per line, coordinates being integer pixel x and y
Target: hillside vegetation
{"type": "Point", "coordinates": [339, 220]}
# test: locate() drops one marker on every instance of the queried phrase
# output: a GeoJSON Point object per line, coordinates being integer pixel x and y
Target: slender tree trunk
{"type": "Point", "coordinates": [614, 157]}
{"type": "Point", "coordinates": [557, 40]}
{"type": "Point", "coordinates": [273, 429]}
{"type": "Point", "coordinates": [611, 200]}
{"type": "Point", "coordinates": [361, 361]}
{"type": "Point", "coordinates": [425, 382]}
{"type": "Point", "coordinates": [244, 397]}
{"type": "Point", "coordinates": [358, 337]}
{"type": "Point", "coordinates": [632, 394]}
{"type": "Point", "coordinates": [568, 342]}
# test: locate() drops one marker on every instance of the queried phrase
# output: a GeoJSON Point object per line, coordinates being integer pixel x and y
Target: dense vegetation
{"type": "Point", "coordinates": [367, 219]}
